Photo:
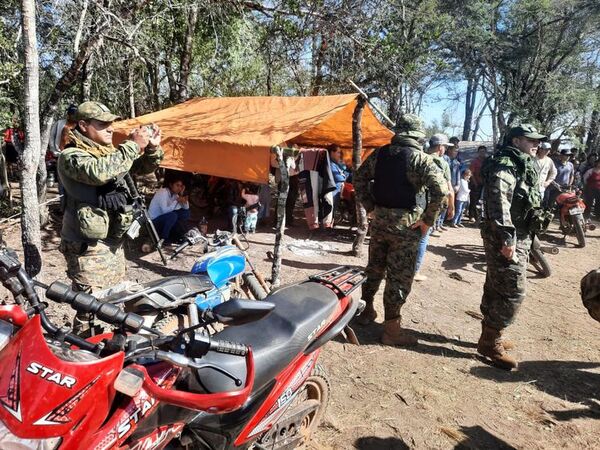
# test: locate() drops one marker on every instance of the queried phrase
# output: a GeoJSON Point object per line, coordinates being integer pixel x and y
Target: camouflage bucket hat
{"type": "Point", "coordinates": [527, 130]}
{"type": "Point", "coordinates": [410, 125]}
{"type": "Point", "coordinates": [95, 110]}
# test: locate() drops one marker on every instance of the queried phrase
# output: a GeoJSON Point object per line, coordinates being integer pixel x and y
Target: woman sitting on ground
{"type": "Point", "coordinates": [170, 211]}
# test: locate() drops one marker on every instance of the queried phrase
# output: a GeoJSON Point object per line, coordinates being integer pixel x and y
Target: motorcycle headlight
{"type": "Point", "coordinates": [9, 441]}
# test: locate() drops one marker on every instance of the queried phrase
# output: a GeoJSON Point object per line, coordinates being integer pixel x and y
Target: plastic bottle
{"type": "Point", "coordinates": [203, 226]}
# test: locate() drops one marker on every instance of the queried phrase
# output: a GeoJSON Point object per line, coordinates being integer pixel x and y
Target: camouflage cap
{"type": "Point", "coordinates": [410, 125]}
{"type": "Point", "coordinates": [440, 139]}
{"type": "Point", "coordinates": [527, 130]}
{"type": "Point", "coordinates": [95, 110]}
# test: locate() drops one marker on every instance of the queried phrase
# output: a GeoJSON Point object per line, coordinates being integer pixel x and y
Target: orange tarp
{"type": "Point", "coordinates": [232, 136]}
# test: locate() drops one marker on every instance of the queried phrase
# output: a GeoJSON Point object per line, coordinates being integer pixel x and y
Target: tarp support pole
{"type": "Point", "coordinates": [283, 159]}
{"type": "Point", "coordinates": [361, 214]}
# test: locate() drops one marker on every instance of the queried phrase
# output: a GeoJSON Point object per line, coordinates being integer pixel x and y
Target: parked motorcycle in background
{"type": "Point", "coordinates": [571, 208]}
{"type": "Point", "coordinates": [171, 303]}
{"type": "Point", "coordinates": [537, 257]}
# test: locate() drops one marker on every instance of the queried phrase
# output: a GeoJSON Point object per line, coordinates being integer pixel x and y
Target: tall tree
{"type": "Point", "coordinates": [30, 219]}
{"type": "Point", "coordinates": [529, 53]}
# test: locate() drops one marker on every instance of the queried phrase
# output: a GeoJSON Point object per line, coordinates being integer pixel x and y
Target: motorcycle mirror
{"type": "Point", "coordinates": [238, 312]}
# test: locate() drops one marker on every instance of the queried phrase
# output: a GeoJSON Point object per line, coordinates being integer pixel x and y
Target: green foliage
{"type": "Point", "coordinates": [535, 59]}
{"type": "Point", "coordinates": [10, 66]}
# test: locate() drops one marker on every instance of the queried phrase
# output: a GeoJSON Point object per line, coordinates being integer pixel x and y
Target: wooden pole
{"type": "Point", "coordinates": [284, 187]}
{"type": "Point", "coordinates": [365, 97]}
{"type": "Point", "coordinates": [361, 213]}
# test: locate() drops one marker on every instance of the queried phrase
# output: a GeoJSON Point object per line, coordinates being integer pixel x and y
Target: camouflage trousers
{"type": "Point", "coordinates": [393, 256]}
{"type": "Point", "coordinates": [94, 267]}
{"type": "Point", "coordinates": [504, 288]}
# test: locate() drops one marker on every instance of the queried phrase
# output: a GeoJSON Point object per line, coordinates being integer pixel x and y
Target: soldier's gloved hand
{"type": "Point", "coordinates": [155, 135]}
{"type": "Point", "coordinates": [141, 137]}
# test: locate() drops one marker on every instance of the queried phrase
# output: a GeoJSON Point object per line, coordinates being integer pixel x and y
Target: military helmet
{"type": "Point", "coordinates": [525, 129]}
{"type": "Point", "coordinates": [95, 110]}
{"type": "Point", "coordinates": [590, 293]}
{"type": "Point", "coordinates": [410, 125]}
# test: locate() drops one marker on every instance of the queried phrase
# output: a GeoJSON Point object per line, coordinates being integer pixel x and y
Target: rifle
{"type": "Point", "coordinates": [141, 217]}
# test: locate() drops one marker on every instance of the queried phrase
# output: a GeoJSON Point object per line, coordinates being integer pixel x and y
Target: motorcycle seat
{"type": "Point", "coordinates": [300, 312]}
{"type": "Point", "coordinates": [163, 293]}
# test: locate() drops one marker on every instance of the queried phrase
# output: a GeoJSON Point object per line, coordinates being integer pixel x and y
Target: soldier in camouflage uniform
{"type": "Point", "coordinates": [401, 173]}
{"type": "Point", "coordinates": [511, 201]}
{"type": "Point", "coordinates": [98, 213]}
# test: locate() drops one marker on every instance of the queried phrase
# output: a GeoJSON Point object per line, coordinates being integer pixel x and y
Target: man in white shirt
{"type": "Point", "coordinates": [170, 210]}
{"type": "Point", "coordinates": [546, 169]}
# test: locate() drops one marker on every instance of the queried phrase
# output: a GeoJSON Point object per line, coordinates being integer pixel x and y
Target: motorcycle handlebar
{"type": "Point", "coordinates": [192, 237]}
{"type": "Point", "coordinates": [213, 403]}
{"type": "Point", "coordinates": [230, 348]}
{"type": "Point", "coordinates": [86, 303]}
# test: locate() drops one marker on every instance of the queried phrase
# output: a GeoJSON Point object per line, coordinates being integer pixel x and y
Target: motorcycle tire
{"type": "Point", "coordinates": [314, 392]}
{"type": "Point", "coordinates": [539, 261]}
{"type": "Point", "coordinates": [255, 288]}
{"type": "Point", "coordinates": [171, 323]}
{"type": "Point", "coordinates": [579, 225]}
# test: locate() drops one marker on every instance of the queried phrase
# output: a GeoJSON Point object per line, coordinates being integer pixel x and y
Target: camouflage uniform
{"type": "Point", "coordinates": [92, 237]}
{"type": "Point", "coordinates": [393, 246]}
{"type": "Point", "coordinates": [510, 197]}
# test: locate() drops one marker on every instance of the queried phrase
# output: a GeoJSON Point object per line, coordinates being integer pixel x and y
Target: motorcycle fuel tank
{"type": "Point", "coordinates": [222, 265]}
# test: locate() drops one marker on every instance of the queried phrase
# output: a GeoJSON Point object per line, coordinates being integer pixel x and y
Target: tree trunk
{"type": "Point", "coordinates": [173, 91]}
{"type": "Point", "coordinates": [469, 107]}
{"type": "Point", "coordinates": [30, 219]}
{"type": "Point", "coordinates": [77, 40]}
{"type": "Point", "coordinates": [317, 82]}
{"type": "Point", "coordinates": [86, 78]}
{"type": "Point", "coordinates": [284, 187]}
{"type": "Point", "coordinates": [593, 138]}
{"type": "Point", "coordinates": [153, 74]}
{"type": "Point", "coordinates": [187, 53]}
{"type": "Point", "coordinates": [478, 120]}
{"type": "Point", "coordinates": [130, 86]}
{"type": "Point", "coordinates": [361, 214]}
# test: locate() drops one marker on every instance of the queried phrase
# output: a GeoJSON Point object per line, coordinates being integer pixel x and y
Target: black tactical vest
{"type": "Point", "coordinates": [391, 188]}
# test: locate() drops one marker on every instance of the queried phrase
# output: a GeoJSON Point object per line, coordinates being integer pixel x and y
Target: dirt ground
{"type": "Point", "coordinates": [440, 395]}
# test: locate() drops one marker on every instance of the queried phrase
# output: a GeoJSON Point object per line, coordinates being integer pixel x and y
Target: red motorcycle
{"type": "Point", "coordinates": [571, 218]}
{"type": "Point", "coordinates": [137, 389]}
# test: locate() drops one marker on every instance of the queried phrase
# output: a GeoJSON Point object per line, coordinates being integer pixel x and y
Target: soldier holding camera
{"type": "Point", "coordinates": [98, 209]}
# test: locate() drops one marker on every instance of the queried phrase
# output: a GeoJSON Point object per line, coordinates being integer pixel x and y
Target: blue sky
{"type": "Point", "coordinates": [441, 99]}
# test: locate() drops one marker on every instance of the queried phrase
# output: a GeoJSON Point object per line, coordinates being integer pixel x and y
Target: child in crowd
{"type": "Point", "coordinates": [252, 204]}
{"type": "Point", "coordinates": [462, 198]}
